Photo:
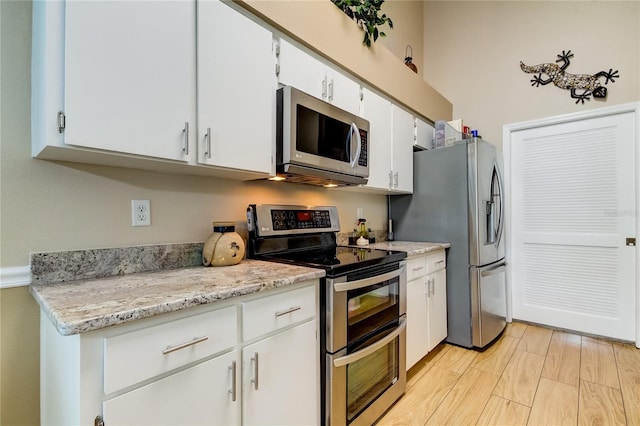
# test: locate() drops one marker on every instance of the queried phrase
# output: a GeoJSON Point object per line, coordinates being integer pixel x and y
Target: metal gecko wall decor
{"type": "Point", "coordinates": [589, 84]}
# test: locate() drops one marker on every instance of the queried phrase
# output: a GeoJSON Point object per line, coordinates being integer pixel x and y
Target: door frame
{"type": "Point", "coordinates": [508, 129]}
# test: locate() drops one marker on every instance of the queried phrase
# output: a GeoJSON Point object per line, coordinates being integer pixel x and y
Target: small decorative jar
{"type": "Point", "coordinates": [224, 246]}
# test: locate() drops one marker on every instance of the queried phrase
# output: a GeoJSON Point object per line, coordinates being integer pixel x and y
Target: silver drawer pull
{"type": "Point", "coordinates": [255, 370]}
{"type": "Point", "coordinates": [418, 269]}
{"type": "Point", "coordinates": [233, 390]}
{"type": "Point", "coordinates": [195, 341]}
{"type": "Point", "coordinates": [288, 311]}
{"type": "Point", "coordinates": [440, 262]}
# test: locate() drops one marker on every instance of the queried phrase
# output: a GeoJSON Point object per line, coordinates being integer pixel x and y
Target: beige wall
{"type": "Point", "coordinates": [473, 50]}
{"type": "Point", "coordinates": [408, 26]}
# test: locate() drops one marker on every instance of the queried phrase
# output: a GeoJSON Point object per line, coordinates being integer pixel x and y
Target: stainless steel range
{"type": "Point", "coordinates": [362, 308]}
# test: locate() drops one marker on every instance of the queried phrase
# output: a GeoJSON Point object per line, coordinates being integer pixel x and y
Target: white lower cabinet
{"type": "Point", "coordinates": [426, 305]}
{"type": "Point", "coordinates": [280, 386]}
{"type": "Point", "coordinates": [200, 366]}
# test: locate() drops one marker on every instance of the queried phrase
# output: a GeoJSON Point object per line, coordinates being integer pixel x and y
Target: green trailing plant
{"type": "Point", "coordinates": [366, 13]}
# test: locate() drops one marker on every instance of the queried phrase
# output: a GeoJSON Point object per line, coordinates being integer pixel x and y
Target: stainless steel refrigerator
{"type": "Point", "coordinates": [458, 198]}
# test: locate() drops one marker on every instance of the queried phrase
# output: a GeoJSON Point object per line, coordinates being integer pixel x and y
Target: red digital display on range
{"type": "Point", "coordinates": [304, 216]}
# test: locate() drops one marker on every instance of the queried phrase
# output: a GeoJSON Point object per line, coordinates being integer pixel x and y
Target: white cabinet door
{"type": "Point", "coordinates": [424, 135]}
{"type": "Point", "coordinates": [282, 386]}
{"type": "Point", "coordinates": [236, 90]}
{"type": "Point", "coordinates": [130, 76]}
{"type": "Point", "coordinates": [342, 91]}
{"type": "Point", "coordinates": [377, 111]}
{"type": "Point", "coordinates": [417, 320]}
{"type": "Point", "coordinates": [402, 155]}
{"type": "Point", "coordinates": [301, 70]}
{"type": "Point", "coordinates": [304, 72]}
{"type": "Point", "coordinates": [198, 395]}
{"type": "Point", "coordinates": [437, 308]}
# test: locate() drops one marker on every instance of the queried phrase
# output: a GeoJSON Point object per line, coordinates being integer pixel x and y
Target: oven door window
{"type": "Point", "coordinates": [371, 376]}
{"type": "Point", "coordinates": [372, 308]}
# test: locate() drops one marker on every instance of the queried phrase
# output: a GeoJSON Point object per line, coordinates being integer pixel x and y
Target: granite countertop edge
{"type": "Point", "coordinates": [81, 306]}
{"type": "Point", "coordinates": [412, 248]}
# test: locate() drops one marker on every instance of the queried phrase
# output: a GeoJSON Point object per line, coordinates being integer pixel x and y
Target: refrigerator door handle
{"type": "Point", "coordinates": [495, 270]}
{"type": "Point", "coordinates": [501, 199]}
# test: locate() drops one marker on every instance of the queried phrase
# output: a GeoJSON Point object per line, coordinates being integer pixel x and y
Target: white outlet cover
{"type": "Point", "coordinates": [140, 213]}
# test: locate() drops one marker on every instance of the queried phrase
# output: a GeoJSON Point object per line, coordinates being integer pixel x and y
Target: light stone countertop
{"type": "Point", "coordinates": [412, 248]}
{"type": "Point", "coordinates": [85, 305]}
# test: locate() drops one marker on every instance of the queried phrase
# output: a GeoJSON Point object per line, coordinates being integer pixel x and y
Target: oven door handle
{"type": "Point", "coordinates": [351, 358]}
{"type": "Point", "coordinates": [353, 285]}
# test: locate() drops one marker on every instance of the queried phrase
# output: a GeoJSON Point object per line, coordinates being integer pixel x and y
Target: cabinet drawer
{"type": "Point", "coordinates": [436, 262]}
{"type": "Point", "coordinates": [271, 313]}
{"type": "Point", "coordinates": [138, 355]}
{"type": "Point", "coordinates": [416, 267]}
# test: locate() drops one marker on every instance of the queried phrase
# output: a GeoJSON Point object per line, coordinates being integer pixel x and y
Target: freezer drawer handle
{"type": "Point", "coordinates": [349, 359]}
{"type": "Point", "coordinates": [493, 271]}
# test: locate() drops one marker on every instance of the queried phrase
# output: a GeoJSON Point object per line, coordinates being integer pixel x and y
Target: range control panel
{"type": "Point", "coordinates": [300, 219]}
{"type": "Point", "coordinates": [266, 219]}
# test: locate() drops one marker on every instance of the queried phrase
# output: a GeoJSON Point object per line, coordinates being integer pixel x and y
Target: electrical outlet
{"type": "Point", "coordinates": [140, 213]}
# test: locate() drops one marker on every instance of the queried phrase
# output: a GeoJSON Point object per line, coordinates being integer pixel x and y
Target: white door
{"type": "Point", "coordinates": [281, 386]}
{"type": "Point", "coordinates": [236, 90]}
{"type": "Point", "coordinates": [573, 206]}
{"type": "Point", "coordinates": [196, 396]}
{"type": "Point", "coordinates": [130, 76]}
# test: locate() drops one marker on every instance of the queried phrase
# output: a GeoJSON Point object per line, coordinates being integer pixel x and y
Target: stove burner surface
{"type": "Point", "coordinates": [339, 259]}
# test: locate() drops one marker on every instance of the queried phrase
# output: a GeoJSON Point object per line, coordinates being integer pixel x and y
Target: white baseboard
{"type": "Point", "coordinates": [15, 276]}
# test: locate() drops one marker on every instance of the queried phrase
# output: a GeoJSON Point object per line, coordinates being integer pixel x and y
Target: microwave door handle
{"type": "Point", "coordinates": [355, 158]}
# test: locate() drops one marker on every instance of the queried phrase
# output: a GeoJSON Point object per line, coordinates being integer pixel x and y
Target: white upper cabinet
{"type": "Point", "coordinates": [304, 72]}
{"type": "Point", "coordinates": [129, 76]}
{"type": "Point", "coordinates": [377, 111]}
{"type": "Point", "coordinates": [423, 135]}
{"type": "Point", "coordinates": [236, 90]}
{"type": "Point", "coordinates": [391, 138]}
{"type": "Point", "coordinates": [402, 131]}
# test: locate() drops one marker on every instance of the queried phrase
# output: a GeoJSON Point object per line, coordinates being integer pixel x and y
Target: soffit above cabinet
{"type": "Point", "coordinates": [306, 21]}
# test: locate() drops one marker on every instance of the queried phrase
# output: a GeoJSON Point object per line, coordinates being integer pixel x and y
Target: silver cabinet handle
{"type": "Point", "coordinates": [349, 359]}
{"type": "Point", "coordinates": [439, 262]}
{"type": "Point", "coordinates": [396, 180]}
{"type": "Point", "coordinates": [352, 285]}
{"type": "Point", "coordinates": [324, 88]}
{"type": "Point", "coordinates": [432, 286]}
{"type": "Point", "coordinates": [207, 138]}
{"type": "Point", "coordinates": [418, 269]}
{"type": "Point", "coordinates": [192, 342]}
{"type": "Point", "coordinates": [330, 90]}
{"type": "Point", "coordinates": [185, 148]}
{"type": "Point", "coordinates": [391, 179]}
{"type": "Point", "coordinates": [288, 311]}
{"type": "Point", "coordinates": [255, 371]}
{"type": "Point", "coordinates": [233, 393]}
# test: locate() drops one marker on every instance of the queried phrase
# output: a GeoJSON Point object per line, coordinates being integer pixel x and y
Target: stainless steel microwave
{"type": "Point", "coordinates": [319, 143]}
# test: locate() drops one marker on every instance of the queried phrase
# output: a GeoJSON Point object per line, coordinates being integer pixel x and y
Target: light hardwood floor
{"type": "Point", "coordinates": [531, 376]}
